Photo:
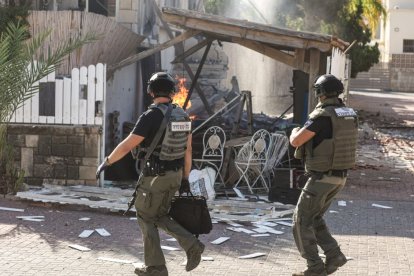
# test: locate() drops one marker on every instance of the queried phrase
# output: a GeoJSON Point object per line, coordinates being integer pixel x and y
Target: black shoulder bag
{"type": "Point", "coordinates": [191, 212]}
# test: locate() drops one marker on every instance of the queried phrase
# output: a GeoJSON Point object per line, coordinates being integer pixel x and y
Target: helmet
{"type": "Point", "coordinates": [161, 84]}
{"type": "Point", "coordinates": [328, 85]}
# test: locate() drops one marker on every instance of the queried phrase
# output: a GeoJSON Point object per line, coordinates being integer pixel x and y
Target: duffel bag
{"type": "Point", "coordinates": [192, 213]}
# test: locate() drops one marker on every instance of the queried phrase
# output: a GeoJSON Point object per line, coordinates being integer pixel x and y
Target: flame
{"type": "Point", "coordinates": [182, 92]}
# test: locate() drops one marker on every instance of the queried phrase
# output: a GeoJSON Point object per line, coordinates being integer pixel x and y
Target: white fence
{"type": "Point", "coordinates": [339, 65]}
{"type": "Point", "coordinates": [78, 100]}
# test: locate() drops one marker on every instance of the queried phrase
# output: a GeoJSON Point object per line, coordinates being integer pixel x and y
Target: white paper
{"type": "Point", "coordinates": [342, 203]}
{"type": "Point", "coordinates": [30, 217]}
{"type": "Point", "coordinates": [238, 193]}
{"type": "Point", "coordinates": [333, 211]}
{"type": "Point", "coordinates": [103, 232]}
{"type": "Point", "coordinates": [115, 260]}
{"type": "Point", "coordinates": [260, 235]}
{"type": "Point", "coordinates": [207, 258]}
{"type": "Point", "coordinates": [33, 219]}
{"type": "Point", "coordinates": [79, 247]}
{"type": "Point", "coordinates": [171, 239]}
{"type": "Point", "coordinates": [11, 209]}
{"type": "Point", "coordinates": [132, 218]}
{"type": "Point", "coordinates": [265, 223]}
{"type": "Point", "coordinates": [229, 222]}
{"type": "Point", "coordinates": [169, 248]}
{"type": "Point", "coordinates": [265, 229]}
{"type": "Point", "coordinates": [84, 219]}
{"type": "Point", "coordinates": [381, 206]}
{"type": "Point", "coordinates": [254, 255]}
{"type": "Point", "coordinates": [86, 233]}
{"type": "Point", "coordinates": [285, 223]}
{"type": "Point", "coordinates": [220, 240]}
{"type": "Point", "coordinates": [240, 229]}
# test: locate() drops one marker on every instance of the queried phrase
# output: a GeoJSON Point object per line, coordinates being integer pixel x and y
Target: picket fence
{"type": "Point", "coordinates": [79, 99]}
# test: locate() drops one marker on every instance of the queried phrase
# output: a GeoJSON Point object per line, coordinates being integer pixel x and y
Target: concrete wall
{"type": "Point", "coordinates": [396, 27]}
{"type": "Point", "coordinates": [61, 155]}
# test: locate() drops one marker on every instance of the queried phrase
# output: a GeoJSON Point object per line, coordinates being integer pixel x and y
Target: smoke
{"type": "Point", "coordinates": [267, 79]}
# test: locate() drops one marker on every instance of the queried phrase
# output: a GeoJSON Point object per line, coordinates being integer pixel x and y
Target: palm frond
{"type": "Point", "coordinates": [20, 70]}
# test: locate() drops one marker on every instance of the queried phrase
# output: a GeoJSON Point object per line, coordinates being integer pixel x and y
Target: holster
{"type": "Point", "coordinates": [154, 167]}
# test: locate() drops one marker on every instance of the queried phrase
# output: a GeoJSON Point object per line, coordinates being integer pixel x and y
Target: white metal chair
{"type": "Point", "coordinates": [278, 148]}
{"type": "Point", "coordinates": [251, 161]}
{"type": "Point", "coordinates": [213, 151]}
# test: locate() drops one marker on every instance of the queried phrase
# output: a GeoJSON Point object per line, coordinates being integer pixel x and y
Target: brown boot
{"type": "Point", "coordinates": [333, 263]}
{"type": "Point", "coordinates": [194, 255]}
{"type": "Point", "coordinates": [159, 270]}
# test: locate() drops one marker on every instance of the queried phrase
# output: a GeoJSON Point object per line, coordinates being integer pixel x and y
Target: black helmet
{"type": "Point", "coordinates": [161, 84]}
{"type": "Point", "coordinates": [328, 85]}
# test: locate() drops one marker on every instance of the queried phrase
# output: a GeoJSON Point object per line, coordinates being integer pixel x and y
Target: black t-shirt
{"type": "Point", "coordinates": [322, 127]}
{"type": "Point", "coordinates": [148, 124]}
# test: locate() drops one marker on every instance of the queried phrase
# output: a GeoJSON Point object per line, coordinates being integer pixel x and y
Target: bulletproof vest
{"type": "Point", "coordinates": [176, 135]}
{"type": "Point", "coordinates": [339, 152]}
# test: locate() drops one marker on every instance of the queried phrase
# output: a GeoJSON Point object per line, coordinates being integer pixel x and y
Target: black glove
{"type": "Point", "coordinates": [105, 164]}
{"type": "Point", "coordinates": [184, 187]}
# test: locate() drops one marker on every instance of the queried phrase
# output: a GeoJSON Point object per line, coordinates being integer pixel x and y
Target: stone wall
{"type": "Point", "coordinates": [60, 155]}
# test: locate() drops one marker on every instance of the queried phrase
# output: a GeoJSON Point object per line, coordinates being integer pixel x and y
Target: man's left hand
{"type": "Point", "coordinates": [105, 164]}
{"type": "Point", "coordinates": [185, 186]}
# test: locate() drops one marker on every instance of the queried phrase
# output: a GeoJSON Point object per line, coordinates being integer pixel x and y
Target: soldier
{"type": "Point", "coordinates": [327, 144]}
{"type": "Point", "coordinates": [165, 172]}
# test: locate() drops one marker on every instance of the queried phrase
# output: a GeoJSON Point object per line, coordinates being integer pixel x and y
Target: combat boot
{"type": "Point", "coordinates": [318, 270]}
{"type": "Point", "coordinates": [194, 255]}
{"type": "Point", "coordinates": [333, 263]}
{"type": "Point", "coordinates": [159, 270]}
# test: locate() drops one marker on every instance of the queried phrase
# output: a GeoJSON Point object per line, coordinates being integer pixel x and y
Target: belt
{"type": "Point", "coordinates": [337, 173]}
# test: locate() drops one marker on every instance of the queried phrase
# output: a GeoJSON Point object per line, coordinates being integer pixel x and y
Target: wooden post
{"type": "Point", "coordinates": [314, 61]}
{"type": "Point", "coordinates": [195, 79]}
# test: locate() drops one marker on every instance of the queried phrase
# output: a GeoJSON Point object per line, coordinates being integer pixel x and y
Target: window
{"type": "Point", "coordinates": [103, 7]}
{"type": "Point", "coordinates": [408, 46]}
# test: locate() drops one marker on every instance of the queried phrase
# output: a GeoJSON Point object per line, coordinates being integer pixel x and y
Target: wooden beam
{"type": "Point", "coordinates": [192, 50]}
{"type": "Point", "coordinates": [314, 71]}
{"type": "Point", "coordinates": [165, 45]}
{"type": "Point", "coordinates": [300, 60]}
{"type": "Point", "coordinates": [195, 79]}
{"type": "Point", "coordinates": [246, 30]}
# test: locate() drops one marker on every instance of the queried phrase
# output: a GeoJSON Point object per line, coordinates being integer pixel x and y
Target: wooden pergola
{"type": "Point", "coordinates": [304, 51]}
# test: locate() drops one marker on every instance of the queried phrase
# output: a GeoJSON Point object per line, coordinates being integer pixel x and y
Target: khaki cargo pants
{"type": "Point", "coordinates": [309, 227]}
{"type": "Point", "coordinates": [152, 203]}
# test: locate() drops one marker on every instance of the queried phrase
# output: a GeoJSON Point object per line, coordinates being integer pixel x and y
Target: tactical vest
{"type": "Point", "coordinates": [339, 152]}
{"type": "Point", "coordinates": [174, 144]}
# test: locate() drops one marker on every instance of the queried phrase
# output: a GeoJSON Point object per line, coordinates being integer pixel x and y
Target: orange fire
{"type": "Point", "coordinates": [182, 92]}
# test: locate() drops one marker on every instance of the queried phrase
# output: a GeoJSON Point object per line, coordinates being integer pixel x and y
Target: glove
{"type": "Point", "coordinates": [184, 187]}
{"type": "Point", "coordinates": [105, 164]}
